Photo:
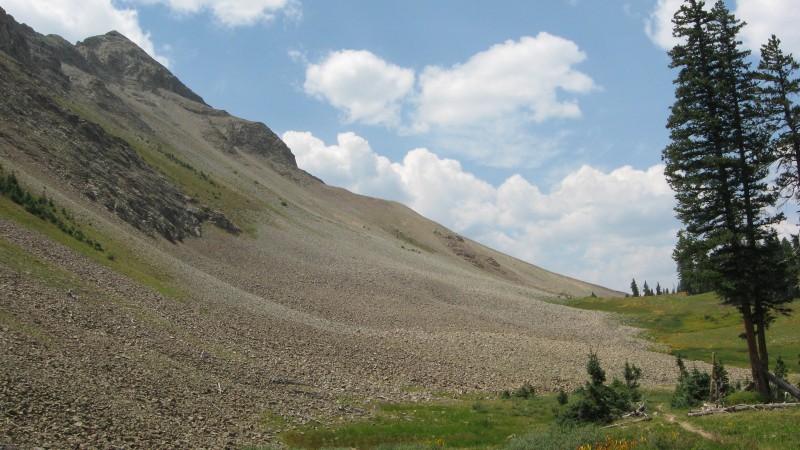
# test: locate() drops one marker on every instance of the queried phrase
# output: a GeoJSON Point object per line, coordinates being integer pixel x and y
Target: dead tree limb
{"type": "Point", "coordinates": [643, 419]}
{"type": "Point", "coordinates": [636, 412]}
{"type": "Point", "coordinates": [794, 391]}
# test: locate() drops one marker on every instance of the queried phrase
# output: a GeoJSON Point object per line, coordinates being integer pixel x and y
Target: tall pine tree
{"type": "Point", "coordinates": [780, 75]}
{"type": "Point", "coordinates": [717, 164]}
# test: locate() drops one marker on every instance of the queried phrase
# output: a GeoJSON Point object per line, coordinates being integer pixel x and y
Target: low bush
{"type": "Point", "coordinates": [694, 386]}
{"type": "Point", "coordinates": [743, 397]}
{"type": "Point", "coordinates": [525, 391]}
{"type": "Point", "coordinates": [562, 398]}
{"type": "Point", "coordinates": [597, 402]}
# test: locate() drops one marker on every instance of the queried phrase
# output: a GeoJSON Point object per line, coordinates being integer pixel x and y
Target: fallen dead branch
{"type": "Point", "coordinates": [737, 408]}
{"type": "Point", "coordinates": [638, 412]}
{"type": "Point", "coordinates": [352, 409]}
{"type": "Point", "coordinates": [643, 419]}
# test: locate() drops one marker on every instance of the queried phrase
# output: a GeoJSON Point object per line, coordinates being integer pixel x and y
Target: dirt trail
{"type": "Point", "coordinates": [693, 429]}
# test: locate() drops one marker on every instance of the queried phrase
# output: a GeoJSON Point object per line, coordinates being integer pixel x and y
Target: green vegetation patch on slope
{"type": "Point", "coordinates": [43, 208]}
{"type": "Point", "coordinates": [115, 256]}
{"type": "Point", "coordinates": [697, 325]}
{"type": "Point", "coordinates": [409, 240]}
{"type": "Point", "coordinates": [195, 183]}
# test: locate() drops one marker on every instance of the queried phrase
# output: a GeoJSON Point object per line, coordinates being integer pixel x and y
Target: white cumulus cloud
{"type": "Point", "coordinates": [75, 20]}
{"type": "Point", "coordinates": [235, 13]}
{"type": "Point", "coordinates": [483, 108]}
{"type": "Point", "coordinates": [658, 26]}
{"type": "Point", "coordinates": [603, 227]}
{"type": "Point", "coordinates": [516, 78]}
{"type": "Point", "coordinates": [350, 164]}
{"type": "Point", "coordinates": [364, 86]}
{"type": "Point", "coordinates": [440, 189]}
{"type": "Point", "coordinates": [768, 17]}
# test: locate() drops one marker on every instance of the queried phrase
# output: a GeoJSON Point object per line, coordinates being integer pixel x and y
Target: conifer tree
{"type": "Point", "coordinates": [634, 288]}
{"type": "Point", "coordinates": [691, 258]}
{"type": "Point", "coordinates": [717, 163]}
{"type": "Point", "coordinates": [780, 76]}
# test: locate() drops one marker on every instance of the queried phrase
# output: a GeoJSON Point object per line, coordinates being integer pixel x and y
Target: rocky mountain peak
{"type": "Point", "coordinates": [115, 58]}
{"type": "Point", "coordinates": [12, 37]}
{"type": "Point", "coordinates": [111, 57]}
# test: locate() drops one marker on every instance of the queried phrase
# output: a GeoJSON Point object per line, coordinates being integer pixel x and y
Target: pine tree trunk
{"type": "Point", "coordinates": [759, 378]}
{"type": "Point", "coordinates": [761, 333]}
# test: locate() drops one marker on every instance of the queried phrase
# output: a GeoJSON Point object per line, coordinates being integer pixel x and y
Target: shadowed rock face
{"type": "Point", "coordinates": [12, 38]}
{"type": "Point", "coordinates": [102, 167]}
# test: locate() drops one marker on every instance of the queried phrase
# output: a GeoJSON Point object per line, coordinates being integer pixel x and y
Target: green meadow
{"type": "Point", "coordinates": [695, 326]}
{"type": "Point", "coordinates": [692, 326]}
{"type": "Point", "coordinates": [518, 424]}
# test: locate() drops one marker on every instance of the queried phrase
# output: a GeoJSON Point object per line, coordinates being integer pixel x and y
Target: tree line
{"type": "Point", "coordinates": [730, 125]}
{"type": "Point", "coordinates": [647, 291]}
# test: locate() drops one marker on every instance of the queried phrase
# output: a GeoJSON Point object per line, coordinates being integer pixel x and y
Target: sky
{"type": "Point", "coordinates": [535, 128]}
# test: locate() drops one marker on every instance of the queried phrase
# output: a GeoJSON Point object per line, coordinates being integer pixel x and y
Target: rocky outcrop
{"type": "Point", "coordinates": [234, 135]}
{"type": "Point", "coordinates": [80, 152]}
{"type": "Point", "coordinates": [12, 38]}
{"type": "Point", "coordinates": [114, 57]}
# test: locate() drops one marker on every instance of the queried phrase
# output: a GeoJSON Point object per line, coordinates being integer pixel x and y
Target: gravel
{"type": "Point", "coordinates": [289, 331]}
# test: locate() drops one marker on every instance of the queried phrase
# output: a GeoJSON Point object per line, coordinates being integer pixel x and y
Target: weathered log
{"type": "Point", "coordinates": [737, 408]}
{"type": "Point", "coordinates": [708, 412]}
{"type": "Point", "coordinates": [309, 419]}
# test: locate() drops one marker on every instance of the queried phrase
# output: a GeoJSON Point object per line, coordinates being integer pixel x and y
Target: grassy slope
{"type": "Point", "coordinates": [698, 325]}
{"type": "Point", "coordinates": [463, 423]}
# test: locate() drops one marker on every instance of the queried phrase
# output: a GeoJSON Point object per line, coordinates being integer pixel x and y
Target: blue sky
{"type": "Point", "coordinates": [533, 127]}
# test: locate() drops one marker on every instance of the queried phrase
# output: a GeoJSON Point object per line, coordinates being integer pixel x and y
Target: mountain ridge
{"type": "Point", "coordinates": [232, 286]}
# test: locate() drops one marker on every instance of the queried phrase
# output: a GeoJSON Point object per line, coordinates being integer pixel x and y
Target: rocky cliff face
{"type": "Point", "coordinates": [64, 99]}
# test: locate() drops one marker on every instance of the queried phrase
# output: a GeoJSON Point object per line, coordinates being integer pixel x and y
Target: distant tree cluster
{"type": "Point", "coordinates": [647, 291]}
